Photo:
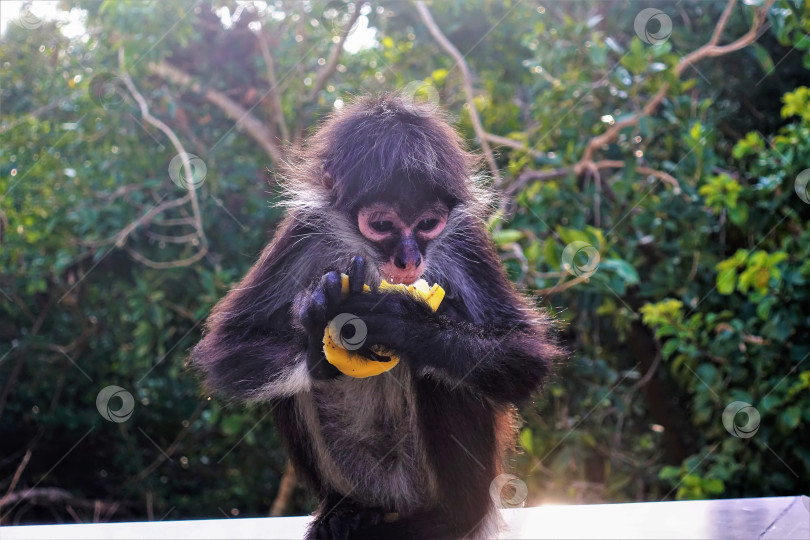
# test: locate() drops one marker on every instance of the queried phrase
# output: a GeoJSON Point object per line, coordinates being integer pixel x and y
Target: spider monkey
{"type": "Point", "coordinates": [384, 189]}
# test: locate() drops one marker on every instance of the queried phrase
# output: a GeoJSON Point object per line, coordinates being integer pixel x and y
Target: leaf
{"type": "Point", "coordinates": [572, 235]}
{"type": "Point", "coordinates": [526, 440]}
{"type": "Point", "coordinates": [715, 486]}
{"type": "Point", "coordinates": [708, 374]}
{"type": "Point", "coordinates": [797, 103]}
{"type": "Point", "coordinates": [764, 307]}
{"type": "Point", "coordinates": [622, 268]}
{"type": "Point", "coordinates": [738, 214]}
{"type": "Point", "coordinates": [506, 236]}
{"type": "Point", "coordinates": [439, 75]}
{"type": "Point", "coordinates": [791, 416]}
{"type": "Point", "coordinates": [688, 84]}
{"type": "Point", "coordinates": [668, 472]}
{"type": "Point", "coordinates": [533, 252]}
{"type": "Point", "coordinates": [763, 57]}
{"type": "Point", "coordinates": [726, 281]}
{"type": "Point", "coordinates": [669, 348]}
{"type": "Point", "coordinates": [696, 131]}
{"type": "Point", "coordinates": [691, 480]}
{"type": "Point", "coordinates": [598, 55]}
{"type": "Point", "coordinates": [550, 253]}
{"type": "Point", "coordinates": [636, 60]}
{"type": "Point", "coordinates": [768, 403]}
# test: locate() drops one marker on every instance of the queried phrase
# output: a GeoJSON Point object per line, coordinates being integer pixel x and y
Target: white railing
{"type": "Point", "coordinates": [765, 519]}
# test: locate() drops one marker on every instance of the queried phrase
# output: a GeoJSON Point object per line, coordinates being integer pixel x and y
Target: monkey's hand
{"type": "Point", "coordinates": [318, 307]}
{"type": "Point", "coordinates": [503, 362]}
{"type": "Point", "coordinates": [392, 319]}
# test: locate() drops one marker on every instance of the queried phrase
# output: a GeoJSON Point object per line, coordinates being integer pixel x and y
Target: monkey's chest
{"type": "Point", "coordinates": [371, 444]}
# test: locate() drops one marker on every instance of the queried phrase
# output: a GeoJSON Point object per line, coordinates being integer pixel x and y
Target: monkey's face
{"type": "Point", "coordinates": [401, 235]}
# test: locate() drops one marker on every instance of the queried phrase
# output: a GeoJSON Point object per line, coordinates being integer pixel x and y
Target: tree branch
{"type": "Point", "coordinates": [530, 176]}
{"type": "Point", "coordinates": [253, 127]}
{"type": "Point", "coordinates": [285, 491]}
{"type": "Point", "coordinates": [511, 143]}
{"type": "Point", "coordinates": [710, 49]}
{"type": "Point", "coordinates": [661, 175]}
{"type": "Point", "coordinates": [20, 468]}
{"type": "Point", "coordinates": [272, 79]}
{"type": "Point", "coordinates": [561, 285]}
{"type": "Point", "coordinates": [165, 265]}
{"type": "Point", "coordinates": [190, 185]}
{"type": "Point", "coordinates": [527, 177]}
{"type": "Point", "coordinates": [124, 233]}
{"type": "Point", "coordinates": [334, 55]}
{"type": "Point", "coordinates": [445, 43]}
{"type": "Point", "coordinates": [51, 496]}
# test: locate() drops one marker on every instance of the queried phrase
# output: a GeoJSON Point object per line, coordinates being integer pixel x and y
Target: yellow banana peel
{"type": "Point", "coordinates": [356, 365]}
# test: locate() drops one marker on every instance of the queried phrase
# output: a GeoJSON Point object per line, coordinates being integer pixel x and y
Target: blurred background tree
{"type": "Point", "coordinates": [655, 167]}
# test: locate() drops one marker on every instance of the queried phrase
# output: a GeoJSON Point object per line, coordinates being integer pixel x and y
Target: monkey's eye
{"type": "Point", "coordinates": [382, 226]}
{"type": "Point", "coordinates": [427, 224]}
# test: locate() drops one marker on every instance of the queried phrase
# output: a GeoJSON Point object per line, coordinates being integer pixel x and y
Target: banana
{"type": "Point", "coordinates": [356, 365]}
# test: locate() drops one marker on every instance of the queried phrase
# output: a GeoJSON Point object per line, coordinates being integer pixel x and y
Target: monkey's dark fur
{"type": "Point", "coordinates": [409, 453]}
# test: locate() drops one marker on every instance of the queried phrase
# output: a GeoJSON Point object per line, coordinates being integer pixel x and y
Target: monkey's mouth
{"type": "Point", "coordinates": [404, 279]}
{"type": "Point", "coordinates": [405, 276]}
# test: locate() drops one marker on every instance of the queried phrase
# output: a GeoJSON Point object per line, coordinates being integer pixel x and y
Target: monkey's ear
{"type": "Point", "coordinates": [326, 178]}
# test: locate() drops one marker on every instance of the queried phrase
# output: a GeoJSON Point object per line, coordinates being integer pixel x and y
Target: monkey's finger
{"type": "Point", "coordinates": [317, 365]}
{"type": "Point", "coordinates": [357, 275]}
{"type": "Point", "coordinates": [313, 312]}
{"type": "Point", "coordinates": [375, 356]}
{"type": "Point", "coordinates": [331, 284]}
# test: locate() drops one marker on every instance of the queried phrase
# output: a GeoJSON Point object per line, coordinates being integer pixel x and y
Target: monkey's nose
{"type": "Point", "coordinates": [402, 264]}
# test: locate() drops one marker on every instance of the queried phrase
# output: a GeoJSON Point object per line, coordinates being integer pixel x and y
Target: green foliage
{"type": "Point", "coordinates": [690, 486]}
{"type": "Point", "coordinates": [797, 103]}
{"type": "Point", "coordinates": [666, 317]}
{"type": "Point", "coordinates": [721, 192]}
{"type": "Point", "coordinates": [760, 270]}
{"type": "Point", "coordinates": [687, 290]}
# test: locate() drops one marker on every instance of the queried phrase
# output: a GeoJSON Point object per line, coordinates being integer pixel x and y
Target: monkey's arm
{"type": "Point", "coordinates": [249, 362]}
{"type": "Point", "coordinates": [504, 360]}
{"type": "Point", "coordinates": [504, 363]}
{"type": "Point", "coordinates": [254, 347]}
